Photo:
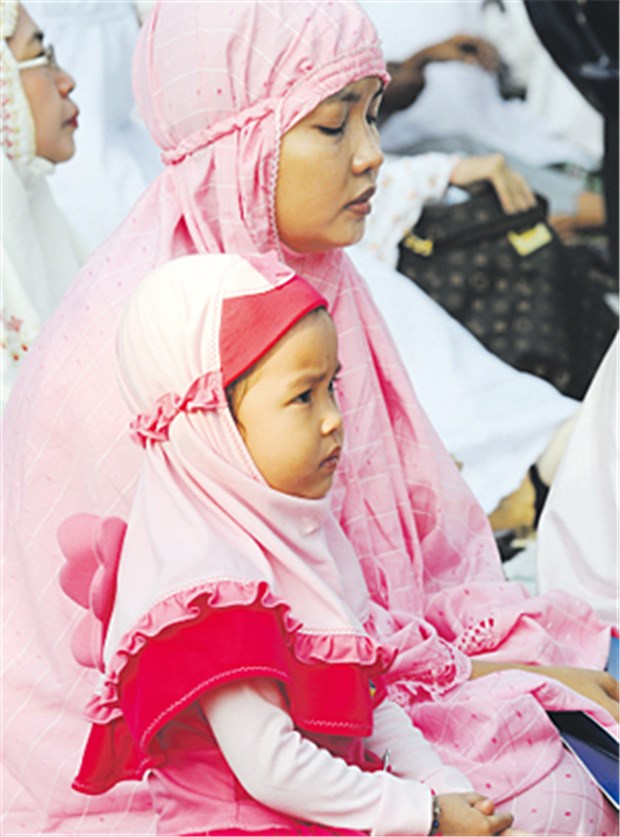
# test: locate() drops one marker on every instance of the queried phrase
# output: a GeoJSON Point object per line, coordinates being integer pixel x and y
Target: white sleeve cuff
{"type": "Point", "coordinates": [411, 755]}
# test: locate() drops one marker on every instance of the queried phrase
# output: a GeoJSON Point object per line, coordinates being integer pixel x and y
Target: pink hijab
{"type": "Point", "coordinates": [218, 84]}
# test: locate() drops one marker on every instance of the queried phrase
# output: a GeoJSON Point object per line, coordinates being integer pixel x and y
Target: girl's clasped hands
{"type": "Point", "coordinates": [471, 813]}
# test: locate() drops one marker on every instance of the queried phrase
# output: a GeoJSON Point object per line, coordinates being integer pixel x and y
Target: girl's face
{"type": "Point", "coordinates": [47, 90]}
{"type": "Point", "coordinates": [286, 410]}
{"type": "Point", "coordinates": [328, 169]}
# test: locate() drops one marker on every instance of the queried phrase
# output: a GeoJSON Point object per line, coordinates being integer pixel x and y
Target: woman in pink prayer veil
{"type": "Point", "coordinates": [219, 85]}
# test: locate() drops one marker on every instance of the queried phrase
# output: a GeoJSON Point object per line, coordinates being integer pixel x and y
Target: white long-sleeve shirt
{"type": "Point", "coordinates": [281, 768]}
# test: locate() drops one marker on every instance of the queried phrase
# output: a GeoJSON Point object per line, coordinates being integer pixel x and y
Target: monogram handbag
{"type": "Point", "coordinates": [534, 302]}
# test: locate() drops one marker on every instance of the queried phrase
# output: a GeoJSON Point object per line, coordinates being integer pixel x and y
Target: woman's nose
{"type": "Point", "coordinates": [65, 82]}
{"type": "Point", "coordinates": [368, 155]}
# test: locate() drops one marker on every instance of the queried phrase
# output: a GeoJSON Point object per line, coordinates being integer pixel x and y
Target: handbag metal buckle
{"type": "Point", "coordinates": [421, 246]}
{"type": "Point", "coordinates": [530, 240]}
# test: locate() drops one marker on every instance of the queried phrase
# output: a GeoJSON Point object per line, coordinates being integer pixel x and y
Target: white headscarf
{"type": "Point", "coordinates": [40, 253]}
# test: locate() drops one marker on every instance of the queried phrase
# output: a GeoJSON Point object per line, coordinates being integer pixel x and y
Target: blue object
{"type": "Point", "coordinates": [612, 660]}
{"type": "Point", "coordinates": [594, 747]}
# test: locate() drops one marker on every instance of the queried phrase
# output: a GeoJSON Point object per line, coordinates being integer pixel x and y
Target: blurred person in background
{"type": "Point", "coordinates": [40, 251]}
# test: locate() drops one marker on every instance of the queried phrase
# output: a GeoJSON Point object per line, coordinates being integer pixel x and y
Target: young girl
{"type": "Point", "coordinates": [236, 669]}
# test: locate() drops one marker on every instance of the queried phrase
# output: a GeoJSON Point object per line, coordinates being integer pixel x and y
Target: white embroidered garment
{"type": "Point", "coordinates": [40, 256]}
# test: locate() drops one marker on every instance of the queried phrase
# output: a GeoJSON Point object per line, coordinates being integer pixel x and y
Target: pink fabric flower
{"type": "Point", "coordinates": [92, 548]}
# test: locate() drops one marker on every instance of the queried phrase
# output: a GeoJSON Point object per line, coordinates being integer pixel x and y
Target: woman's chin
{"type": "Point", "coordinates": [61, 153]}
{"type": "Point", "coordinates": [323, 243]}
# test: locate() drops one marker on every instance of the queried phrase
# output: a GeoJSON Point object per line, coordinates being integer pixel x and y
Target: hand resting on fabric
{"type": "Point", "coordinates": [597, 686]}
{"type": "Point", "coordinates": [470, 813]}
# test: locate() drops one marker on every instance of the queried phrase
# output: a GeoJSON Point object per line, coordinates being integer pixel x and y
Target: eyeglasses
{"type": "Point", "coordinates": [46, 59]}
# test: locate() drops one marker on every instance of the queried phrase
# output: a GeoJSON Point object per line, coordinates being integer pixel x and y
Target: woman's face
{"type": "Point", "coordinates": [47, 90]}
{"type": "Point", "coordinates": [328, 169]}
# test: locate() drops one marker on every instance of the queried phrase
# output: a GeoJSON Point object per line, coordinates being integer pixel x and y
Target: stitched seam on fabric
{"type": "Point", "coordinates": [273, 180]}
{"type": "Point", "coordinates": [150, 730]}
{"type": "Point", "coordinates": [350, 725]}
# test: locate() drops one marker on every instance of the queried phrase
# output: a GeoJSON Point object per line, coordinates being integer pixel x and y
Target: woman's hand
{"type": "Point", "coordinates": [470, 813]}
{"type": "Point", "coordinates": [511, 188]}
{"type": "Point", "coordinates": [590, 212]}
{"type": "Point", "coordinates": [467, 49]}
{"type": "Point", "coordinates": [598, 686]}
{"type": "Point", "coordinates": [408, 79]}
{"type": "Point", "coordinates": [407, 83]}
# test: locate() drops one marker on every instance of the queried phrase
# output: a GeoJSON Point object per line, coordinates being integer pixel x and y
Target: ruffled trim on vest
{"type": "Point", "coordinates": [200, 639]}
{"type": "Point", "coordinates": [195, 639]}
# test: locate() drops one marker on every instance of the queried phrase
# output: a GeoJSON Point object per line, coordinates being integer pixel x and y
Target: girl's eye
{"type": "Point", "coordinates": [372, 118]}
{"type": "Point", "coordinates": [331, 132]}
{"type": "Point", "coordinates": [303, 397]}
{"type": "Point", "coordinates": [333, 384]}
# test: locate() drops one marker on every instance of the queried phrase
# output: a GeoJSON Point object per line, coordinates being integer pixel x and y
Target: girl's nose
{"type": "Point", "coordinates": [332, 420]}
{"type": "Point", "coordinates": [368, 155]}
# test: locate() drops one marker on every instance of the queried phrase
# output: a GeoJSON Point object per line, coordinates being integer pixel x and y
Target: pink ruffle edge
{"type": "Point", "coordinates": [353, 649]}
{"type": "Point", "coordinates": [194, 640]}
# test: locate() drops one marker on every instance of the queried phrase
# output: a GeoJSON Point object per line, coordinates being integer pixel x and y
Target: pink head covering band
{"type": "Point", "coordinates": [252, 325]}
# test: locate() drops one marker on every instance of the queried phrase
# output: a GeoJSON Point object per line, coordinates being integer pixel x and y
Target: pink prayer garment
{"type": "Point", "coordinates": [218, 84]}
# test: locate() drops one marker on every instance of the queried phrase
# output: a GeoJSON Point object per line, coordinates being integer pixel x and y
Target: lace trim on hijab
{"type": "Point", "coordinates": [479, 637]}
{"type": "Point", "coordinates": [16, 124]}
{"type": "Point", "coordinates": [205, 393]}
{"type": "Point", "coordinates": [8, 18]}
{"type": "Point", "coordinates": [431, 681]}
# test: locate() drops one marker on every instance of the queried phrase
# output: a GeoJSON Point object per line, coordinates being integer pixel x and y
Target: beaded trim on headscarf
{"type": "Point", "coordinates": [17, 125]}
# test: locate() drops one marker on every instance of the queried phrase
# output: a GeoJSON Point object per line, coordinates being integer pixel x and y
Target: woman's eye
{"type": "Point", "coordinates": [332, 132]}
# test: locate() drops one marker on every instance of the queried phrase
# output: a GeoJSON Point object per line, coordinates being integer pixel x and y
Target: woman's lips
{"type": "Point", "coordinates": [361, 205]}
{"type": "Point", "coordinates": [73, 120]}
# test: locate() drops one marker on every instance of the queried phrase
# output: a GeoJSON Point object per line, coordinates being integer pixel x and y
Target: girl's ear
{"type": "Point", "coordinates": [235, 394]}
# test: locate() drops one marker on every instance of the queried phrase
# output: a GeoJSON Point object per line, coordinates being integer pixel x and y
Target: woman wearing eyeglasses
{"type": "Point", "coordinates": [40, 253]}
